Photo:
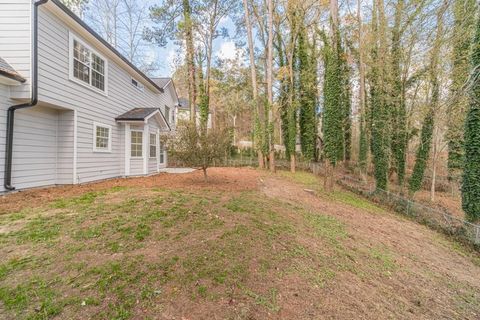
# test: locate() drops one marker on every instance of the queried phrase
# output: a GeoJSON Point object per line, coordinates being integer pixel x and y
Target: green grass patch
{"type": "Point", "coordinates": [40, 229]}
{"type": "Point", "coordinates": [36, 294]}
{"type": "Point", "coordinates": [326, 227]}
{"type": "Point", "coordinates": [306, 178]}
{"type": "Point", "coordinates": [355, 201]}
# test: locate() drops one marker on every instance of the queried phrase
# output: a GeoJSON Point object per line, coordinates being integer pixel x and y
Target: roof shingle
{"type": "Point", "coordinates": [7, 71]}
{"type": "Point", "coordinates": [161, 82]}
{"type": "Point", "coordinates": [137, 114]}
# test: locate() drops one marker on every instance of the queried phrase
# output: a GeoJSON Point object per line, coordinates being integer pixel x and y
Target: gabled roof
{"type": "Point", "coordinates": [141, 115]}
{"type": "Point", "coordinates": [136, 114]}
{"type": "Point", "coordinates": [72, 15]}
{"type": "Point", "coordinates": [6, 70]}
{"type": "Point", "coordinates": [162, 82]}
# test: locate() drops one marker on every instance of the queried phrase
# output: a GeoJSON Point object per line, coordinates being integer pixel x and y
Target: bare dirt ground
{"type": "Point", "coordinates": [246, 244]}
{"type": "Point", "coordinates": [425, 263]}
{"type": "Point", "coordinates": [220, 179]}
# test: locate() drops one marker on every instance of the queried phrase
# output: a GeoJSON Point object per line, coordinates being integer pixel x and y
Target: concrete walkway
{"type": "Point", "coordinates": [177, 170]}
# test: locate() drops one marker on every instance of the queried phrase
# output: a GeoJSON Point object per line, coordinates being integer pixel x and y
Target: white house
{"type": "Point", "coordinates": [72, 109]}
{"type": "Point", "coordinates": [182, 113]}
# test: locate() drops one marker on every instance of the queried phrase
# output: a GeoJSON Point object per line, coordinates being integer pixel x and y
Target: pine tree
{"type": "Point", "coordinates": [471, 173]}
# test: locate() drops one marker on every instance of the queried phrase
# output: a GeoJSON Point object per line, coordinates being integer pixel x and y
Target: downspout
{"type": "Point", "coordinates": [33, 101]}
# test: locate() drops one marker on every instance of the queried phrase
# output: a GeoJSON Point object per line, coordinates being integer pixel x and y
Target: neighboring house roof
{"type": "Point", "coordinates": [104, 42]}
{"type": "Point", "coordinates": [141, 114]}
{"type": "Point", "coordinates": [162, 82]}
{"type": "Point", "coordinates": [184, 103]}
{"type": "Point", "coordinates": [6, 70]}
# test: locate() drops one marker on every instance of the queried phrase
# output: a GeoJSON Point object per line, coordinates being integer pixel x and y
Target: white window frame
{"type": "Point", "coordinates": [106, 126]}
{"type": "Point", "coordinates": [141, 144]}
{"type": "Point", "coordinates": [72, 37]}
{"type": "Point", "coordinates": [150, 145]}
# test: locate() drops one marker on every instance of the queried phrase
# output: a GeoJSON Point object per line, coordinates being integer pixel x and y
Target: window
{"type": "Point", "coordinates": [87, 66]}
{"type": "Point", "coordinates": [162, 154]}
{"type": "Point", "coordinates": [153, 145]}
{"type": "Point", "coordinates": [167, 114]}
{"type": "Point", "coordinates": [137, 85]}
{"type": "Point", "coordinates": [102, 137]}
{"type": "Point", "coordinates": [136, 144]}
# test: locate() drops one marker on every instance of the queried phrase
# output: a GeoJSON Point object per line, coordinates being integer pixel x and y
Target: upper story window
{"type": "Point", "coordinates": [102, 137]}
{"type": "Point", "coordinates": [138, 85]}
{"type": "Point", "coordinates": [87, 67]}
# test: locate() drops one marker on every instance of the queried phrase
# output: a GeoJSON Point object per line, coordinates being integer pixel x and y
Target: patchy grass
{"type": "Point", "coordinates": [128, 253]}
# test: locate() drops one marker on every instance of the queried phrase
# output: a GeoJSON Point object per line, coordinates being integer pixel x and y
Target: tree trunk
{"type": "Point", "coordinates": [270, 85]}
{"type": "Point", "coordinates": [292, 163]}
{"type": "Point", "coordinates": [361, 67]}
{"type": "Point", "coordinates": [434, 174]}
{"type": "Point", "coordinates": [329, 182]}
{"type": "Point", "coordinates": [192, 91]}
{"type": "Point", "coordinates": [204, 169]}
{"type": "Point", "coordinates": [253, 74]}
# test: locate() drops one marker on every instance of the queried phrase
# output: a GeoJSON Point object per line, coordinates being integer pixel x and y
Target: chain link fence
{"type": "Point", "coordinates": [434, 218]}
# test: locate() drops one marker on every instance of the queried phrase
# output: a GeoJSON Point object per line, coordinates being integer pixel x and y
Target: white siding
{"type": "Point", "coordinates": [4, 104]}
{"type": "Point", "coordinates": [65, 147]}
{"type": "Point", "coordinates": [55, 88]}
{"type": "Point", "coordinates": [15, 44]}
{"type": "Point", "coordinates": [34, 144]}
{"type": "Point", "coordinates": [35, 147]}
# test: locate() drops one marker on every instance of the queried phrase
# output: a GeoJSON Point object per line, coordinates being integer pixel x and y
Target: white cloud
{"type": "Point", "coordinates": [227, 51]}
{"type": "Point", "coordinates": [175, 57]}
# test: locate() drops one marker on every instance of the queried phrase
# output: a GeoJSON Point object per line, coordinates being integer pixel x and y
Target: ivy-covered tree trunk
{"type": "Point", "coordinates": [332, 114]}
{"type": "Point", "coordinates": [307, 96]}
{"type": "Point", "coordinates": [399, 113]}
{"type": "Point", "coordinates": [471, 173]}
{"type": "Point", "coordinates": [379, 112]}
{"type": "Point", "coordinates": [423, 151]}
{"type": "Point", "coordinates": [464, 27]}
{"type": "Point", "coordinates": [363, 136]}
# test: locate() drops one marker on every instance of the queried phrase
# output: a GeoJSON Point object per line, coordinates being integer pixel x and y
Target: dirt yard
{"type": "Point", "coordinates": [246, 244]}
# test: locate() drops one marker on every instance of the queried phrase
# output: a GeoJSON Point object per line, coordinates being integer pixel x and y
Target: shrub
{"type": "Point", "coordinates": [198, 147]}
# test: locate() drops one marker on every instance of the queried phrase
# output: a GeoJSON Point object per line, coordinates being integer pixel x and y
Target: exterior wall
{"type": "Point", "coordinates": [65, 142]}
{"type": "Point", "coordinates": [15, 39]}
{"type": "Point", "coordinates": [55, 88]}
{"type": "Point", "coordinates": [35, 147]}
{"type": "Point", "coordinates": [34, 144]}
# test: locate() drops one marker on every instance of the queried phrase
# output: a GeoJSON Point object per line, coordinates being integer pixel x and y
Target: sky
{"type": "Point", "coordinates": [223, 49]}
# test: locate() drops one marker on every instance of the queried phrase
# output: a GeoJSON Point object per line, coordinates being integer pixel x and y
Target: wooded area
{"type": "Point", "coordinates": [389, 88]}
